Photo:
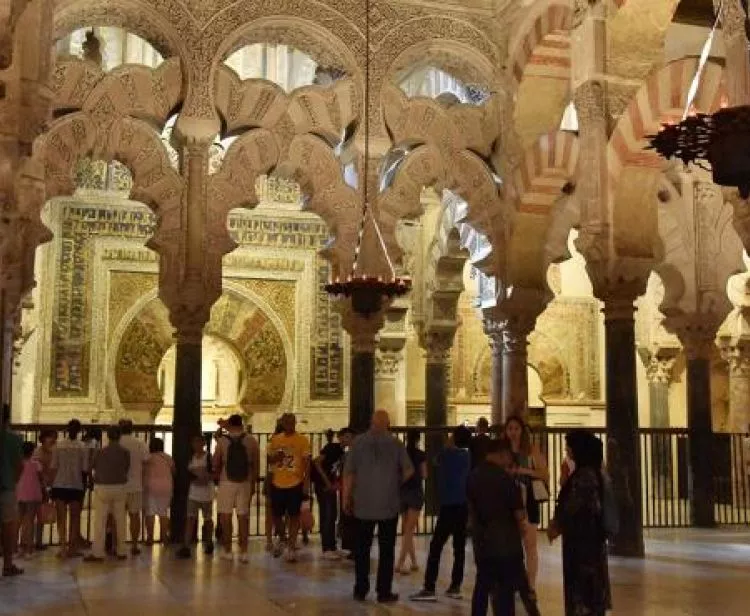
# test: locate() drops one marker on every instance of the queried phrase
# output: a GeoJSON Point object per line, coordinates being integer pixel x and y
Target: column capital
{"type": "Point", "coordinates": [737, 355]}
{"type": "Point", "coordinates": [363, 330]}
{"type": "Point", "coordinates": [388, 363]}
{"type": "Point", "coordinates": [660, 366]}
{"type": "Point", "coordinates": [697, 332]}
{"type": "Point", "coordinates": [437, 345]}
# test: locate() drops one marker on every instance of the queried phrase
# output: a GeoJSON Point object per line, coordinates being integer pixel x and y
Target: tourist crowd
{"type": "Point", "coordinates": [487, 486]}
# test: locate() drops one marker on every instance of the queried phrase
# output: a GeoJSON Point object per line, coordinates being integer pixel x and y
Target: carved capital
{"type": "Point", "coordinates": [388, 363]}
{"type": "Point", "coordinates": [437, 346]}
{"type": "Point", "coordinates": [697, 333]}
{"type": "Point", "coordinates": [590, 103]}
{"type": "Point", "coordinates": [363, 331]}
{"type": "Point", "coordinates": [660, 366]}
{"type": "Point", "coordinates": [737, 356]}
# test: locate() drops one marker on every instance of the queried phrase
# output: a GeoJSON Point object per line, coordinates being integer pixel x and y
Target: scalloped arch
{"type": "Point", "coordinates": [135, 17]}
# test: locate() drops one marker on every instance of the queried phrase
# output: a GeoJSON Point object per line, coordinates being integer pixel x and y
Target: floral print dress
{"type": "Point", "coordinates": [580, 519]}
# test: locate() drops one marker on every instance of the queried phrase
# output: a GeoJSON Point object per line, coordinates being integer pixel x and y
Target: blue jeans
{"type": "Point", "coordinates": [328, 510]}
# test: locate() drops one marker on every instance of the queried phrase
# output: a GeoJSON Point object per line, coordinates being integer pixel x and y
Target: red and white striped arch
{"type": "Point", "coordinates": [543, 42]}
{"type": "Point", "coordinates": [661, 99]}
{"type": "Point", "coordinates": [547, 166]}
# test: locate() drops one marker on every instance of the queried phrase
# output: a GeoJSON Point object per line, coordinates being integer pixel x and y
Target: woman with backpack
{"type": "Point", "coordinates": [236, 464]}
{"type": "Point", "coordinates": [582, 518]}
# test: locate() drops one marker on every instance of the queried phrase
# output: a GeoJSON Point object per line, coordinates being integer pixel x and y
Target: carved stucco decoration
{"type": "Point", "coordinates": [701, 251]}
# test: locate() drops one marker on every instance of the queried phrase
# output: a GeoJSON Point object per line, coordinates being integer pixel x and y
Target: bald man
{"type": "Point", "coordinates": [376, 467]}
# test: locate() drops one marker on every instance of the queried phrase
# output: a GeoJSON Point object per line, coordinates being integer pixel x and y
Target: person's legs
{"type": "Point", "coordinates": [459, 547]}
{"type": "Point", "coordinates": [443, 530]}
{"type": "Point", "coordinates": [363, 535]}
{"type": "Point", "coordinates": [243, 523]}
{"type": "Point", "coordinates": [386, 556]}
{"type": "Point", "coordinates": [531, 549]}
{"type": "Point", "coordinates": [62, 527]}
{"type": "Point", "coordinates": [150, 522]}
{"type": "Point", "coordinates": [293, 508]}
{"type": "Point", "coordinates": [506, 584]}
{"type": "Point", "coordinates": [101, 513]}
{"type": "Point", "coordinates": [9, 520]}
{"type": "Point", "coordinates": [74, 542]}
{"type": "Point", "coordinates": [327, 510]}
{"type": "Point", "coordinates": [225, 521]}
{"type": "Point", "coordinates": [27, 513]}
{"type": "Point", "coordinates": [207, 530]}
{"type": "Point", "coordinates": [483, 587]}
{"type": "Point", "coordinates": [118, 502]}
{"type": "Point", "coordinates": [134, 507]}
{"type": "Point", "coordinates": [164, 528]}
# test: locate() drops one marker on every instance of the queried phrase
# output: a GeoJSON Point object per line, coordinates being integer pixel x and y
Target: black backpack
{"type": "Point", "coordinates": [238, 461]}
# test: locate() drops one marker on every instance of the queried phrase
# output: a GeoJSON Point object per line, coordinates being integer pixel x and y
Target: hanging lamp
{"type": "Point", "coordinates": [367, 292]}
{"type": "Point", "coordinates": [721, 139]}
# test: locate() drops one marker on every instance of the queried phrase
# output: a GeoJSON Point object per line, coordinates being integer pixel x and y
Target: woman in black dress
{"type": "Point", "coordinates": [412, 502]}
{"type": "Point", "coordinates": [579, 518]}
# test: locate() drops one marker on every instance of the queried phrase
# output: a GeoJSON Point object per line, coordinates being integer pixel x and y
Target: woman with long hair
{"type": "Point", "coordinates": [579, 518]}
{"type": "Point", "coordinates": [412, 502]}
{"type": "Point", "coordinates": [529, 465]}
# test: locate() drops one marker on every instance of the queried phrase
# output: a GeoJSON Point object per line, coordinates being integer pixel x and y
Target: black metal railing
{"type": "Point", "coordinates": [665, 474]}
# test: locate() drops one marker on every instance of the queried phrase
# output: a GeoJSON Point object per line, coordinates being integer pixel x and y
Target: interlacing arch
{"type": "Point", "coordinates": [295, 135]}
{"type": "Point", "coordinates": [545, 17]}
{"type": "Point", "coordinates": [442, 148]}
{"type": "Point", "coordinates": [547, 167]}
{"type": "Point", "coordinates": [661, 99]}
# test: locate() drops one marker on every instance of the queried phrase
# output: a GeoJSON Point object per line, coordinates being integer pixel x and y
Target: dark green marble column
{"type": "Point", "coordinates": [701, 435]}
{"type": "Point", "coordinates": [186, 422]}
{"type": "Point", "coordinates": [362, 388]}
{"type": "Point", "coordinates": [623, 450]}
{"type": "Point", "coordinates": [436, 387]}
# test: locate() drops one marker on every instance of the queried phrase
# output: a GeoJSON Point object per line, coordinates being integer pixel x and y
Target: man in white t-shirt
{"type": "Point", "coordinates": [138, 451]}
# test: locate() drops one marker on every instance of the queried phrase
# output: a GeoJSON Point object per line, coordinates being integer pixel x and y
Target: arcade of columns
{"type": "Point", "coordinates": [514, 185]}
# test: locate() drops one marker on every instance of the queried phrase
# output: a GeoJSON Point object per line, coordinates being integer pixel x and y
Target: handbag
{"type": "Point", "coordinates": [47, 513]}
{"type": "Point", "coordinates": [539, 491]}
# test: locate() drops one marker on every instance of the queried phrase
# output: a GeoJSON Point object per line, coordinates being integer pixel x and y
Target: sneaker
{"type": "Point", "coordinates": [226, 555]}
{"type": "Point", "coordinates": [391, 597]}
{"type": "Point", "coordinates": [291, 555]}
{"type": "Point", "coordinates": [343, 553]}
{"type": "Point", "coordinates": [183, 553]}
{"type": "Point", "coordinates": [332, 556]}
{"type": "Point", "coordinates": [134, 551]}
{"type": "Point", "coordinates": [208, 548]}
{"type": "Point", "coordinates": [424, 595]}
{"type": "Point", "coordinates": [244, 557]}
{"type": "Point", "coordinates": [278, 549]}
{"type": "Point", "coordinates": [454, 592]}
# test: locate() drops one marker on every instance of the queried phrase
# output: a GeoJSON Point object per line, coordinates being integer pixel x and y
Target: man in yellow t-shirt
{"type": "Point", "coordinates": [289, 460]}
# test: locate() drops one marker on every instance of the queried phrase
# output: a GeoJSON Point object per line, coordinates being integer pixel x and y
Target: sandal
{"type": "Point", "coordinates": [12, 571]}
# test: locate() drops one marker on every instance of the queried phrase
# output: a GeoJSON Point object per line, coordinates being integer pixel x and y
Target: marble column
{"type": "Point", "coordinates": [660, 374]}
{"type": "Point", "coordinates": [496, 385]}
{"type": "Point", "coordinates": [390, 384]}
{"type": "Point", "coordinates": [738, 358]}
{"type": "Point", "coordinates": [186, 421]}
{"type": "Point", "coordinates": [363, 332]}
{"type": "Point", "coordinates": [698, 351]}
{"type": "Point", "coordinates": [437, 348]}
{"type": "Point", "coordinates": [515, 374]}
{"type": "Point", "coordinates": [362, 387]}
{"type": "Point", "coordinates": [623, 450]}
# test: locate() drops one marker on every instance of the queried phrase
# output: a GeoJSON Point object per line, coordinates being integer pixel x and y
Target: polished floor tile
{"type": "Point", "coordinates": [686, 573]}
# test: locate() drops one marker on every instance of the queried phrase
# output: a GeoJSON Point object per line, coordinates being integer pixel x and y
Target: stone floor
{"type": "Point", "coordinates": [685, 573]}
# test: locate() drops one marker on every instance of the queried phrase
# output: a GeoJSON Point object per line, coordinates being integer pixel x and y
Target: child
{"type": "Point", "coordinates": [29, 495]}
{"type": "Point", "coordinates": [159, 483]}
{"type": "Point", "coordinates": [200, 498]}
